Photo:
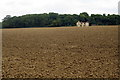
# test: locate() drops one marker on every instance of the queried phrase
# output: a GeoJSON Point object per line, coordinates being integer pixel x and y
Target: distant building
{"type": "Point", "coordinates": [87, 24]}
{"type": "Point", "coordinates": [82, 24]}
{"type": "Point", "coordinates": [119, 7]}
{"type": "Point", "coordinates": [78, 24]}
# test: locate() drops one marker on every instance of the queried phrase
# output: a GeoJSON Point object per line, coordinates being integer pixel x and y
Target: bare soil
{"type": "Point", "coordinates": [65, 52]}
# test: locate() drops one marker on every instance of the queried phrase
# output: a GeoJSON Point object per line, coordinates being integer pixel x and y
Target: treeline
{"type": "Point", "coordinates": [0, 24]}
{"type": "Point", "coordinates": [56, 20]}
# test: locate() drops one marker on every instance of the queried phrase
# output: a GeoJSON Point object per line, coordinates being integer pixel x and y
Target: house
{"type": "Point", "coordinates": [87, 24]}
{"type": "Point", "coordinates": [82, 24]}
{"type": "Point", "coordinates": [78, 24]}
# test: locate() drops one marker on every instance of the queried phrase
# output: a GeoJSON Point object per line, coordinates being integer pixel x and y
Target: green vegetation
{"type": "Point", "coordinates": [0, 24]}
{"type": "Point", "coordinates": [55, 19]}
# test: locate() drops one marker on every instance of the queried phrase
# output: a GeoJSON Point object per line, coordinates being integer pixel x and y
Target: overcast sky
{"type": "Point", "coordinates": [22, 7]}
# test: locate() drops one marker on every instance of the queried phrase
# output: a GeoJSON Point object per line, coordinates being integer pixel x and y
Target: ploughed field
{"type": "Point", "coordinates": [65, 52]}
